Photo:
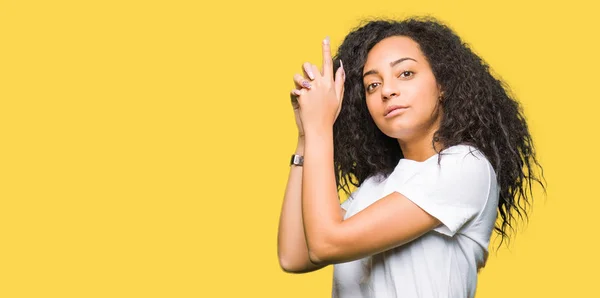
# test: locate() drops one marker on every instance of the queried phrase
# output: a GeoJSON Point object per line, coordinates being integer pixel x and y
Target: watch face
{"type": "Point", "coordinates": [297, 160]}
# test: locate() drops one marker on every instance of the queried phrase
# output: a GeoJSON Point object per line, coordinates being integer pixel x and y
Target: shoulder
{"type": "Point", "coordinates": [462, 151]}
{"type": "Point", "coordinates": [454, 190]}
{"type": "Point", "coordinates": [459, 166]}
{"type": "Point", "coordinates": [465, 157]}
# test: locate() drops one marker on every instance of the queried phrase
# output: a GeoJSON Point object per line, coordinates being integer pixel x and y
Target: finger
{"type": "Point", "coordinates": [308, 70]}
{"type": "Point", "coordinates": [296, 92]}
{"type": "Point", "coordinates": [301, 82]}
{"type": "Point", "coordinates": [327, 63]}
{"type": "Point", "coordinates": [340, 78]}
{"type": "Point", "coordinates": [315, 69]}
{"type": "Point", "coordinates": [340, 105]}
{"type": "Point", "coordinates": [294, 97]}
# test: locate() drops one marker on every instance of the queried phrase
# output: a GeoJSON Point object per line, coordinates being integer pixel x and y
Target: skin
{"type": "Point", "coordinates": [397, 73]}
{"type": "Point", "coordinates": [393, 220]}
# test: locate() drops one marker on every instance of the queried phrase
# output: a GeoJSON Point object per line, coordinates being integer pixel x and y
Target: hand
{"type": "Point", "coordinates": [299, 80]}
{"type": "Point", "coordinates": [319, 101]}
{"type": "Point", "coordinates": [299, 123]}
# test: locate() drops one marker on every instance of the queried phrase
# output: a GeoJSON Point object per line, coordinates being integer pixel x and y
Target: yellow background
{"type": "Point", "coordinates": [144, 145]}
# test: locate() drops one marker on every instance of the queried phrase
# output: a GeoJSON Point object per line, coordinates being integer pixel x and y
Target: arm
{"type": "Point", "coordinates": [387, 223]}
{"type": "Point", "coordinates": [391, 221]}
{"type": "Point", "coordinates": [292, 249]}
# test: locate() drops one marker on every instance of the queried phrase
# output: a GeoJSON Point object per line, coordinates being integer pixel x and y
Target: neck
{"type": "Point", "coordinates": [420, 148]}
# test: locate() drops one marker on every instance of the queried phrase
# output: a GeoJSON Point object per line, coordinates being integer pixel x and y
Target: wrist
{"type": "Point", "coordinates": [299, 148]}
{"type": "Point", "coordinates": [322, 133]}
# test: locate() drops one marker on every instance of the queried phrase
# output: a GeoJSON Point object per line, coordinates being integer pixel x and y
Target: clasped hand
{"type": "Point", "coordinates": [318, 96]}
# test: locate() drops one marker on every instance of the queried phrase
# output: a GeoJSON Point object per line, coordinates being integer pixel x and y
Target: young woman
{"type": "Point", "coordinates": [436, 147]}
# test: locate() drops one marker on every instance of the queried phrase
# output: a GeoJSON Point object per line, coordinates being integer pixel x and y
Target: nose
{"type": "Point", "coordinates": [389, 91]}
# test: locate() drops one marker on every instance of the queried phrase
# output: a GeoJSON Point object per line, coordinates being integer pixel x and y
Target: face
{"type": "Point", "coordinates": [401, 91]}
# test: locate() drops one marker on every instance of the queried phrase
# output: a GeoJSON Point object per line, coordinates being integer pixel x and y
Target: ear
{"type": "Point", "coordinates": [441, 92]}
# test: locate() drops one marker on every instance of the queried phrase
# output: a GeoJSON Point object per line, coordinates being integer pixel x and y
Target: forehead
{"type": "Point", "coordinates": [391, 49]}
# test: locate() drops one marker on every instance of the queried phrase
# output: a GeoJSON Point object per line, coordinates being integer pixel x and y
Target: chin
{"type": "Point", "coordinates": [396, 132]}
{"type": "Point", "coordinates": [395, 129]}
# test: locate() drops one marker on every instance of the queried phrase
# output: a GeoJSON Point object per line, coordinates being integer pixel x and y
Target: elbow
{"type": "Point", "coordinates": [322, 248]}
{"type": "Point", "coordinates": [293, 265]}
{"type": "Point", "coordinates": [289, 267]}
{"type": "Point", "coordinates": [321, 254]}
{"type": "Point", "coordinates": [316, 257]}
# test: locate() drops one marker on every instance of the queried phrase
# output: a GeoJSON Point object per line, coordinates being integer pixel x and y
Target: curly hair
{"type": "Point", "coordinates": [477, 110]}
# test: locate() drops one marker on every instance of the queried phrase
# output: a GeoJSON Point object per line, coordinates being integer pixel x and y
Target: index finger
{"type": "Point", "coordinates": [327, 63]}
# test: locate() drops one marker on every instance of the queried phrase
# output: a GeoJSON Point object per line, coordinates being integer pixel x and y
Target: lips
{"type": "Point", "coordinates": [393, 108]}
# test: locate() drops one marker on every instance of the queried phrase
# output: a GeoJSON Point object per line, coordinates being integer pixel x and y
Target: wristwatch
{"type": "Point", "coordinates": [297, 160]}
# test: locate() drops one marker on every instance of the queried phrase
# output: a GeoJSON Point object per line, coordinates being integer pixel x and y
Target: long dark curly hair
{"type": "Point", "coordinates": [477, 110]}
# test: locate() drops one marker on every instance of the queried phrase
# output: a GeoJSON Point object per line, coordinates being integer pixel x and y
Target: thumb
{"type": "Point", "coordinates": [340, 77]}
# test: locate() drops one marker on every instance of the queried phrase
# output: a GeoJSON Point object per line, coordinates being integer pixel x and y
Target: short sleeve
{"type": "Point", "coordinates": [454, 191]}
{"type": "Point", "coordinates": [346, 204]}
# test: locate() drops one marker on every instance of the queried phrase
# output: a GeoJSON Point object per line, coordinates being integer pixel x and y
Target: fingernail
{"type": "Point", "coordinates": [326, 40]}
{"type": "Point", "coordinates": [306, 84]}
{"type": "Point", "coordinates": [343, 71]}
{"type": "Point", "coordinates": [296, 92]}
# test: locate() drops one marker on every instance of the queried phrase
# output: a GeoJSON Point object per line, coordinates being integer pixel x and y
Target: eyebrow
{"type": "Point", "coordinates": [392, 64]}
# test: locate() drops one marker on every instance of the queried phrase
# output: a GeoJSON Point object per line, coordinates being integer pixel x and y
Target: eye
{"type": "Point", "coordinates": [372, 86]}
{"type": "Point", "coordinates": [406, 74]}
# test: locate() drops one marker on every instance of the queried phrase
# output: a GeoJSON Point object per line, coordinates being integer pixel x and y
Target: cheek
{"type": "Point", "coordinates": [424, 110]}
{"type": "Point", "coordinates": [425, 97]}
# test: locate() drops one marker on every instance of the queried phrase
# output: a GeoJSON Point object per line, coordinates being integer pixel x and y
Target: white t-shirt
{"type": "Point", "coordinates": [463, 194]}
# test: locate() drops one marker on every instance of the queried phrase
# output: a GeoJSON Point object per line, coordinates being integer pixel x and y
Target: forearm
{"type": "Point", "coordinates": [320, 204]}
{"type": "Point", "coordinates": [292, 249]}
